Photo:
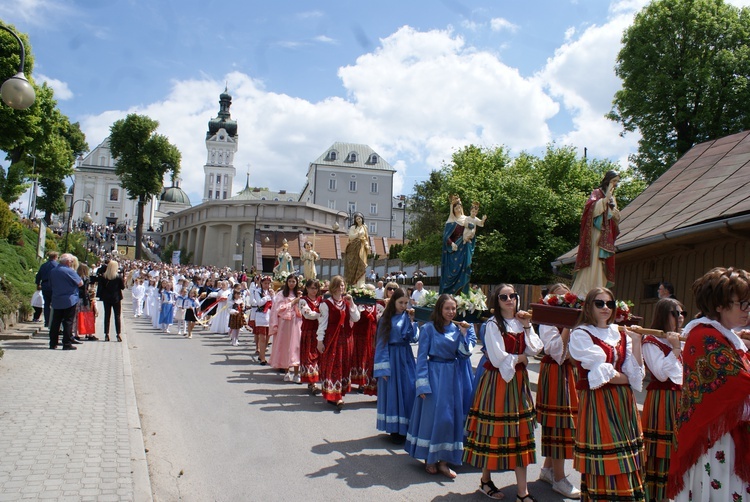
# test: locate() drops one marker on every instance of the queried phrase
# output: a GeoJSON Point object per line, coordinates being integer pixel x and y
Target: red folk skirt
{"type": "Point", "coordinates": [500, 424]}
{"type": "Point", "coordinates": [659, 439]}
{"type": "Point", "coordinates": [309, 369]}
{"type": "Point", "coordinates": [557, 408]}
{"type": "Point", "coordinates": [363, 351]}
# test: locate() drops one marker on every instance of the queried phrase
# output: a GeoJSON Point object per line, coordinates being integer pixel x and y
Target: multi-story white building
{"type": "Point", "coordinates": [97, 190]}
{"type": "Point", "coordinates": [349, 177]}
{"type": "Point", "coordinates": [221, 145]}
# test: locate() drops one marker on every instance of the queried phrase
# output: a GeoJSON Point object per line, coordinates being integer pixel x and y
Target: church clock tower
{"type": "Point", "coordinates": [221, 145]}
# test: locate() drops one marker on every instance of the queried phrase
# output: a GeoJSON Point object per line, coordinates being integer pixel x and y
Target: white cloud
{"type": "Point", "coordinates": [581, 74]}
{"type": "Point", "coordinates": [501, 24]}
{"type": "Point", "coordinates": [324, 39]}
{"type": "Point", "coordinates": [36, 12]}
{"type": "Point", "coordinates": [62, 90]}
{"type": "Point", "coordinates": [470, 25]}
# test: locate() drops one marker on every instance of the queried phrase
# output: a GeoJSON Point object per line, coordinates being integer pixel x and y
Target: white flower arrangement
{"type": "Point", "coordinates": [474, 301]}
{"type": "Point", "coordinates": [361, 292]}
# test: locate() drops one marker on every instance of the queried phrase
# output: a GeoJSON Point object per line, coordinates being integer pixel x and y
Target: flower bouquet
{"type": "Point", "coordinates": [557, 310]}
{"type": "Point", "coordinates": [624, 316]}
{"type": "Point", "coordinates": [470, 307]}
{"type": "Point", "coordinates": [362, 296]}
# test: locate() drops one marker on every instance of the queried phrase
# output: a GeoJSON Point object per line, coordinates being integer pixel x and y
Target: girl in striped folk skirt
{"type": "Point", "coordinates": [609, 442]}
{"type": "Point", "coordinates": [557, 404]}
{"type": "Point", "coordinates": [663, 360]}
{"type": "Point", "coordinates": [501, 421]}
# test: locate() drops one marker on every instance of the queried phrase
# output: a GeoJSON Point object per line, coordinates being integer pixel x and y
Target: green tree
{"type": "Point", "coordinates": [533, 207]}
{"type": "Point", "coordinates": [684, 67]}
{"type": "Point", "coordinates": [143, 158]}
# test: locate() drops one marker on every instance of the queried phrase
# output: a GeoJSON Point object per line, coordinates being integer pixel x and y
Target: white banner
{"type": "Point", "coordinates": [176, 257]}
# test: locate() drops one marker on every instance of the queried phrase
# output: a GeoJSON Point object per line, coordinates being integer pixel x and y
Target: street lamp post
{"type": "Point", "coordinates": [70, 219]}
{"type": "Point", "coordinates": [32, 195]}
{"type": "Point", "coordinates": [17, 92]}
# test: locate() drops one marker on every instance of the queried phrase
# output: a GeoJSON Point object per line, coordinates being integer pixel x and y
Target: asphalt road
{"type": "Point", "coordinates": [218, 426]}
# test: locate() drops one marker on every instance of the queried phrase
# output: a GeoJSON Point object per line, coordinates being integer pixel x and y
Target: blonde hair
{"type": "Point", "coordinates": [112, 268]}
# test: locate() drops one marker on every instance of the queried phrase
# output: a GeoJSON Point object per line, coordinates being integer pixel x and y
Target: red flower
{"type": "Point", "coordinates": [720, 456]}
{"type": "Point", "coordinates": [553, 301]}
{"type": "Point", "coordinates": [715, 484]}
{"type": "Point", "coordinates": [571, 298]}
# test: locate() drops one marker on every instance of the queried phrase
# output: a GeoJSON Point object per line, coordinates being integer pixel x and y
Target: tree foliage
{"type": "Point", "coordinates": [533, 207]}
{"type": "Point", "coordinates": [684, 67]}
{"type": "Point", "coordinates": [40, 132]}
{"type": "Point", "coordinates": [143, 158]}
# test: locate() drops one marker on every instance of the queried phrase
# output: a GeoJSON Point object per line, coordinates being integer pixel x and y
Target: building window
{"type": "Point", "coordinates": [373, 159]}
{"type": "Point", "coordinates": [352, 207]}
{"type": "Point", "coordinates": [114, 194]}
{"type": "Point", "coordinates": [373, 228]}
{"type": "Point", "coordinates": [352, 157]}
{"type": "Point", "coordinates": [224, 195]}
{"type": "Point", "coordinates": [210, 179]}
{"type": "Point", "coordinates": [331, 204]}
{"type": "Point", "coordinates": [374, 187]}
{"type": "Point", "coordinates": [102, 160]}
{"type": "Point", "coordinates": [352, 186]}
{"type": "Point", "coordinates": [226, 179]}
{"type": "Point", "coordinates": [373, 208]}
{"type": "Point", "coordinates": [332, 155]}
{"type": "Point", "coordinates": [210, 194]}
{"type": "Point", "coordinates": [217, 194]}
{"type": "Point", "coordinates": [332, 184]}
{"type": "Point", "coordinates": [393, 232]}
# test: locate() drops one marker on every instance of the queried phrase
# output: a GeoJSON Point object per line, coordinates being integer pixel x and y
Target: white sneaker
{"type": "Point", "coordinates": [297, 378]}
{"type": "Point", "coordinates": [547, 476]}
{"type": "Point", "coordinates": [564, 487]}
{"type": "Point", "coordinates": [288, 377]}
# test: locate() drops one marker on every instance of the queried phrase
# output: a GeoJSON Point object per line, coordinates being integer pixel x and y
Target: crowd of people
{"type": "Point", "coordinates": [689, 443]}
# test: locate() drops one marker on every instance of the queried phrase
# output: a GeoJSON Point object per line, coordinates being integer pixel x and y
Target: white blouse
{"type": "Point", "coordinates": [661, 366]}
{"type": "Point", "coordinates": [495, 345]}
{"type": "Point", "coordinates": [307, 312]}
{"type": "Point", "coordinates": [553, 344]}
{"type": "Point", "coordinates": [592, 357]}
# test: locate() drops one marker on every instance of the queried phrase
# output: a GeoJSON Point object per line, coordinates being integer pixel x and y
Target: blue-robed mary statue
{"type": "Point", "coordinates": [458, 248]}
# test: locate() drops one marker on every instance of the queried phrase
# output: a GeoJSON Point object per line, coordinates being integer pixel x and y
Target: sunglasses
{"type": "Point", "coordinates": [678, 313]}
{"type": "Point", "coordinates": [505, 298]}
{"type": "Point", "coordinates": [390, 289]}
{"type": "Point", "coordinates": [601, 303]}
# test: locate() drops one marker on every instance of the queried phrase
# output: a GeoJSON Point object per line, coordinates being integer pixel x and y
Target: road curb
{"type": "Point", "coordinates": [138, 462]}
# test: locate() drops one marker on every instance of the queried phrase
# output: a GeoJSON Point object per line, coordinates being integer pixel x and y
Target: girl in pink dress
{"type": "Point", "coordinates": [286, 328]}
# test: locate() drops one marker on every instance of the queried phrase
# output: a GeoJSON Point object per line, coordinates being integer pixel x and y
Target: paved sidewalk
{"type": "Point", "coordinates": [69, 424]}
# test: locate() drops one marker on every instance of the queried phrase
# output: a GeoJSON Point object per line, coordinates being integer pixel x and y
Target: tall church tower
{"type": "Point", "coordinates": [221, 145]}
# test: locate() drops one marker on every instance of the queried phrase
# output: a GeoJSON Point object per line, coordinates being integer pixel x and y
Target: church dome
{"type": "Point", "coordinates": [175, 195]}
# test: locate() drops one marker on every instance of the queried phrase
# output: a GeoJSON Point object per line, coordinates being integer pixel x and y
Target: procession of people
{"type": "Point", "coordinates": [690, 442]}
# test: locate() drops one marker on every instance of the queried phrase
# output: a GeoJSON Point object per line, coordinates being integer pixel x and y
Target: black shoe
{"type": "Point", "coordinates": [53, 347]}
{"type": "Point", "coordinates": [69, 347]}
{"type": "Point", "coordinates": [118, 338]}
{"type": "Point", "coordinates": [263, 363]}
{"type": "Point", "coordinates": [77, 338]}
{"type": "Point", "coordinates": [76, 342]}
{"type": "Point", "coordinates": [106, 338]}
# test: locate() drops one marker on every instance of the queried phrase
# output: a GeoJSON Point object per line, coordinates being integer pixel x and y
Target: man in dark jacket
{"type": "Point", "coordinates": [42, 279]}
{"type": "Point", "coordinates": [64, 282]}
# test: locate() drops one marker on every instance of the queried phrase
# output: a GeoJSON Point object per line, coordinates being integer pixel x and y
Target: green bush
{"type": "Point", "coordinates": [6, 219]}
{"type": "Point", "coordinates": [15, 234]}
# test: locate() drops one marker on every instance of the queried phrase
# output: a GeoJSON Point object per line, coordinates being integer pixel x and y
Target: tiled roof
{"type": "Point", "coordinates": [710, 182]}
{"type": "Point", "coordinates": [364, 156]}
{"type": "Point", "coordinates": [326, 245]}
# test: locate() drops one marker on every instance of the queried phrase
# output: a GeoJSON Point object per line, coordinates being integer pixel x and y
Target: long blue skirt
{"type": "Point", "coordinates": [167, 314]}
{"type": "Point", "coordinates": [436, 426]}
{"type": "Point", "coordinates": [396, 395]}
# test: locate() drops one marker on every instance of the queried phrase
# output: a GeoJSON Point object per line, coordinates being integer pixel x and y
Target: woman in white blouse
{"type": "Point", "coordinates": [663, 358]}
{"type": "Point", "coordinates": [609, 441]}
{"type": "Point", "coordinates": [501, 421]}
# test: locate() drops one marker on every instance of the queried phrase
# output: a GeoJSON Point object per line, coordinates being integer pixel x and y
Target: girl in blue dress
{"type": "Point", "coordinates": [394, 366]}
{"type": "Point", "coordinates": [444, 385]}
{"type": "Point", "coordinates": [168, 299]}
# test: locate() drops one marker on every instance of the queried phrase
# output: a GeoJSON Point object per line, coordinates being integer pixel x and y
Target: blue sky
{"type": "Point", "coordinates": [415, 80]}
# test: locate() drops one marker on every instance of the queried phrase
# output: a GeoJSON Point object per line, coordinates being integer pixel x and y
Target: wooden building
{"type": "Point", "coordinates": [696, 216]}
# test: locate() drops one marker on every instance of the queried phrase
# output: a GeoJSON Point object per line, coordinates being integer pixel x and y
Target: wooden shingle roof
{"type": "Point", "coordinates": [710, 183]}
